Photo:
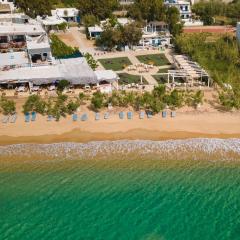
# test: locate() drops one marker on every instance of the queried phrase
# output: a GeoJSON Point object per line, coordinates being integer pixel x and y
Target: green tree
{"type": "Point", "coordinates": [82, 97]}
{"type": "Point", "coordinates": [100, 8]}
{"type": "Point", "coordinates": [34, 103]}
{"type": "Point", "coordinates": [109, 38]}
{"type": "Point", "coordinates": [63, 26]}
{"type": "Point", "coordinates": [35, 8]}
{"type": "Point", "coordinates": [8, 106]}
{"type": "Point", "coordinates": [91, 61]}
{"type": "Point", "coordinates": [175, 99]}
{"type": "Point", "coordinates": [97, 101]}
{"type": "Point", "coordinates": [174, 21]}
{"type": "Point", "coordinates": [72, 106]}
{"type": "Point", "coordinates": [131, 34]}
{"type": "Point", "coordinates": [60, 49]}
{"type": "Point", "coordinates": [149, 10]}
{"type": "Point", "coordinates": [62, 85]}
{"type": "Point", "coordinates": [90, 20]}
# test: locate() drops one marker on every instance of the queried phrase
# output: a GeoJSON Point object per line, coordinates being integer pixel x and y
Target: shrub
{"type": "Point", "coordinates": [34, 103]}
{"type": "Point", "coordinates": [62, 85]}
{"type": "Point", "coordinates": [60, 49]}
{"type": "Point", "coordinates": [97, 101]}
{"type": "Point", "coordinates": [59, 108]}
{"type": "Point", "coordinates": [82, 97]}
{"type": "Point", "coordinates": [194, 99]}
{"type": "Point", "coordinates": [175, 99]}
{"type": "Point", "coordinates": [72, 107]}
{"type": "Point", "coordinates": [8, 106]}
{"type": "Point", "coordinates": [63, 26]}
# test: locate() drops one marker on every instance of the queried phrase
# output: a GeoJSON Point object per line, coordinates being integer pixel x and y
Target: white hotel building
{"type": "Point", "coordinates": [184, 8]}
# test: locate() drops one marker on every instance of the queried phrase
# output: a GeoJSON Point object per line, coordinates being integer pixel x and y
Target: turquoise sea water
{"type": "Point", "coordinates": [119, 197]}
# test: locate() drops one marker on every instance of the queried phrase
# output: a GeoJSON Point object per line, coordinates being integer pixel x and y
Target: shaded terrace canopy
{"type": "Point", "coordinates": [76, 71]}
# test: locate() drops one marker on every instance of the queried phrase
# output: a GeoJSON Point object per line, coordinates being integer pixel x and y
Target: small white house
{"type": "Point", "coordinates": [69, 14]}
{"type": "Point", "coordinates": [51, 22]}
{"type": "Point", "coordinates": [154, 40]}
{"type": "Point", "coordinates": [156, 26]}
{"type": "Point", "coordinates": [184, 8]}
{"type": "Point", "coordinates": [238, 32]}
{"type": "Point", "coordinates": [95, 32]}
{"type": "Point", "coordinates": [126, 2]}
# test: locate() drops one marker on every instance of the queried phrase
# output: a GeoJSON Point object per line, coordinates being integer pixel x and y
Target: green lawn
{"type": "Point", "coordinates": [126, 78]}
{"type": "Point", "coordinates": [162, 79]}
{"type": "Point", "coordinates": [156, 59]}
{"type": "Point", "coordinates": [115, 64]}
{"type": "Point", "coordinates": [164, 70]}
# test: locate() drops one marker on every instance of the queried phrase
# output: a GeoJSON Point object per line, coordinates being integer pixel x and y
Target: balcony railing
{"type": "Point", "coordinates": [12, 45]}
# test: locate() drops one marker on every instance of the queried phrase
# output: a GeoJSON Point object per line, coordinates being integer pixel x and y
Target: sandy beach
{"type": "Point", "coordinates": [186, 125]}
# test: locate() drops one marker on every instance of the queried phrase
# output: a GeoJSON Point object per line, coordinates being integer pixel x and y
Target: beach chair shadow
{"type": "Point", "coordinates": [142, 115]}
{"type": "Point", "coordinates": [5, 119]}
{"type": "Point", "coordinates": [121, 115]}
{"type": "Point", "coordinates": [106, 115]}
{"type": "Point", "coordinates": [84, 117]}
{"type": "Point", "coordinates": [13, 118]}
{"type": "Point", "coordinates": [173, 114]}
{"type": "Point", "coordinates": [149, 114]}
{"type": "Point", "coordinates": [97, 116]}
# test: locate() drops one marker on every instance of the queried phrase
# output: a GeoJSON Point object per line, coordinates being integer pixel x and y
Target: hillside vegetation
{"type": "Point", "coordinates": [220, 58]}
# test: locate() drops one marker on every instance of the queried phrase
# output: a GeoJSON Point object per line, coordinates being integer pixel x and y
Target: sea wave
{"type": "Point", "coordinates": [209, 149]}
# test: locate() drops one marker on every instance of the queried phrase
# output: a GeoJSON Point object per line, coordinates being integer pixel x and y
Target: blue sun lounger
{"type": "Point", "coordinates": [5, 119]}
{"type": "Point", "coordinates": [49, 118]}
{"type": "Point", "coordinates": [34, 116]}
{"type": "Point", "coordinates": [149, 114]}
{"type": "Point", "coordinates": [13, 118]}
{"type": "Point", "coordinates": [27, 117]}
{"type": "Point", "coordinates": [164, 114]}
{"type": "Point", "coordinates": [84, 117]}
{"type": "Point", "coordinates": [129, 115]}
{"type": "Point", "coordinates": [74, 117]}
{"type": "Point", "coordinates": [121, 115]}
{"type": "Point", "coordinates": [173, 114]}
{"type": "Point", "coordinates": [97, 116]}
{"type": "Point", "coordinates": [106, 115]}
{"type": "Point", "coordinates": [142, 115]}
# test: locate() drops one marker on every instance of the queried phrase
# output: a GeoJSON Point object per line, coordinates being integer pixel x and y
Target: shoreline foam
{"type": "Point", "coordinates": [195, 149]}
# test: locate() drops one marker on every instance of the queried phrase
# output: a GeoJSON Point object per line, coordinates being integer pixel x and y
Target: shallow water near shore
{"type": "Point", "coordinates": [180, 189]}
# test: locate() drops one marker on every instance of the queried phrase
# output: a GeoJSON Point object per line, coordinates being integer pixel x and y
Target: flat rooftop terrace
{"type": "Point", "coordinates": [20, 29]}
{"type": "Point", "coordinates": [16, 58]}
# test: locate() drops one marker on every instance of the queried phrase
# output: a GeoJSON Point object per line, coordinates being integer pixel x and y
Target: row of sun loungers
{"type": "Point", "coordinates": [9, 119]}
{"type": "Point", "coordinates": [122, 115]}
{"type": "Point", "coordinates": [30, 117]}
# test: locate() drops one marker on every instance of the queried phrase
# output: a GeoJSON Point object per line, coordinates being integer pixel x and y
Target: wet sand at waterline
{"type": "Point", "coordinates": [185, 125]}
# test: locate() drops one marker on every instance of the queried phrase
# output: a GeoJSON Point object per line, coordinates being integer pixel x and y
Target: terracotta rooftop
{"type": "Point", "coordinates": [210, 29]}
